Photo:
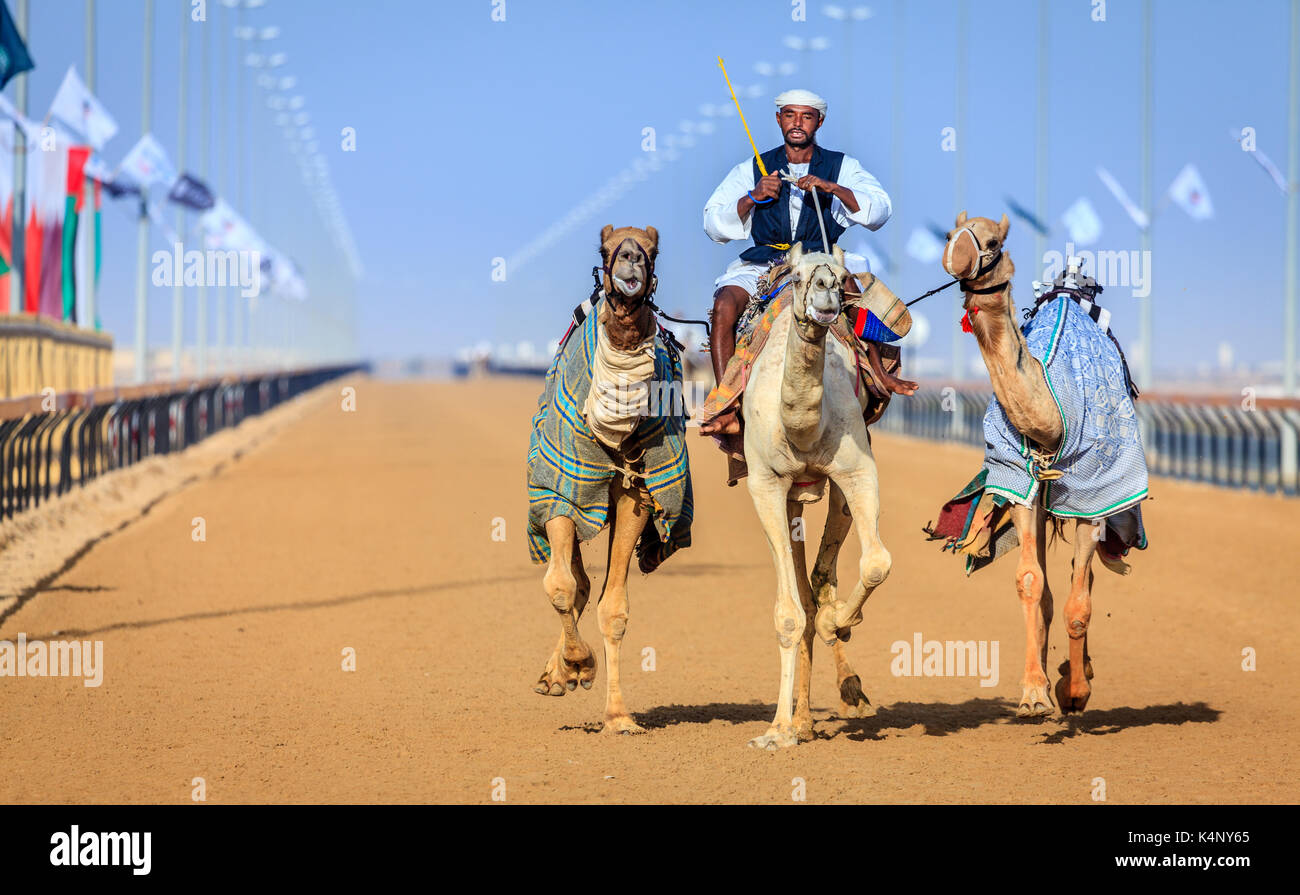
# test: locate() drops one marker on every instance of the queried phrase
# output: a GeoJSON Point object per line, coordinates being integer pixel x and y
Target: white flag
{"type": "Point", "coordinates": [1082, 221]}
{"type": "Point", "coordinates": [78, 108]}
{"type": "Point", "coordinates": [923, 246]}
{"type": "Point", "coordinates": [1189, 191]}
{"type": "Point", "coordinates": [147, 164]}
{"type": "Point", "coordinates": [1138, 215]}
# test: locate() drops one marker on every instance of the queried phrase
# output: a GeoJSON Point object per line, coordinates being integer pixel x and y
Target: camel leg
{"type": "Point", "coordinates": [567, 587]}
{"type": "Point", "coordinates": [825, 577]}
{"type": "Point", "coordinates": [803, 723]}
{"type": "Point", "coordinates": [1030, 583]}
{"type": "Point", "coordinates": [630, 516]}
{"type": "Point", "coordinates": [862, 496]}
{"type": "Point", "coordinates": [1073, 689]}
{"type": "Point", "coordinates": [769, 494]}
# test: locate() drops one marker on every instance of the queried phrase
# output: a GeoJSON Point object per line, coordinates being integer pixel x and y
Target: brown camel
{"type": "Point", "coordinates": [975, 254]}
{"type": "Point", "coordinates": [628, 327]}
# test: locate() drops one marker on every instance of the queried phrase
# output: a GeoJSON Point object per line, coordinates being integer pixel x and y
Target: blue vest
{"type": "Point", "coordinates": [771, 223]}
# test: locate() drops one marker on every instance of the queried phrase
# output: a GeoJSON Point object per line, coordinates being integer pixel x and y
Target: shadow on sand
{"type": "Point", "coordinates": [934, 719]}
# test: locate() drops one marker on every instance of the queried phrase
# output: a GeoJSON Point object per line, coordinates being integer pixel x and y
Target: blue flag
{"type": "Point", "coordinates": [14, 57]}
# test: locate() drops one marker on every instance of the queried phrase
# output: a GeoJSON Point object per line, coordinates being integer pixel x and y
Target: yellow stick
{"type": "Point", "coordinates": [757, 157]}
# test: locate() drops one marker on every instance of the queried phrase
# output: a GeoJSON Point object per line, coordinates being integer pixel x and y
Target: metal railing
{"type": "Point", "coordinates": [1218, 440]}
{"type": "Point", "coordinates": [53, 442]}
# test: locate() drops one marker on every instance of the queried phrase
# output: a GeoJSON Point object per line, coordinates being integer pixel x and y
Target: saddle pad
{"type": "Point", "coordinates": [1102, 464]}
{"type": "Point", "coordinates": [569, 472]}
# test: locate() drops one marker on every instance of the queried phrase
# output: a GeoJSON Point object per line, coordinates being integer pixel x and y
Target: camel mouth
{"type": "Point", "coordinates": [629, 287]}
{"type": "Point", "coordinates": [825, 318]}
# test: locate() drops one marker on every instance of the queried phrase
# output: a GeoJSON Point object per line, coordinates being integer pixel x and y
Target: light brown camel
{"type": "Point", "coordinates": [628, 327]}
{"type": "Point", "coordinates": [803, 424]}
{"type": "Point", "coordinates": [975, 254]}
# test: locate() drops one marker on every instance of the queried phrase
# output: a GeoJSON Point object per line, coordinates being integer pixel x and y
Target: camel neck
{"type": "Point", "coordinates": [1016, 376]}
{"type": "Point", "coordinates": [801, 383]}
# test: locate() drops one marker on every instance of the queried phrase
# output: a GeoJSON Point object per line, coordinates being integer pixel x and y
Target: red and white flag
{"type": "Point", "coordinates": [1191, 194]}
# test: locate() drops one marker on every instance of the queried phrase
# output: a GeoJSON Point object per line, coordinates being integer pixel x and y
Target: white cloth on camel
{"type": "Point", "coordinates": [620, 388]}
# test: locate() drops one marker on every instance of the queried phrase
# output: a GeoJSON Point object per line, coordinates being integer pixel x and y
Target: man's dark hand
{"type": "Point", "coordinates": [768, 187]}
{"type": "Point", "coordinates": [812, 181]}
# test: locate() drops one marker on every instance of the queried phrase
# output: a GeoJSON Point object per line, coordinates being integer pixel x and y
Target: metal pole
{"type": "Point", "coordinates": [896, 152]}
{"type": "Point", "coordinates": [1040, 161]}
{"type": "Point", "coordinates": [963, 68]}
{"type": "Point", "coordinates": [205, 116]}
{"type": "Point", "coordinates": [222, 360]}
{"type": "Point", "coordinates": [1292, 211]}
{"type": "Point", "coordinates": [142, 240]}
{"type": "Point", "coordinates": [178, 288]}
{"type": "Point", "coordinates": [1144, 318]}
{"type": "Point", "coordinates": [17, 274]}
{"type": "Point", "coordinates": [88, 203]}
{"type": "Point", "coordinates": [237, 310]}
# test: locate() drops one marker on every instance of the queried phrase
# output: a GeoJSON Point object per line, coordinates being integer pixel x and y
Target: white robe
{"type": "Point", "coordinates": [723, 224]}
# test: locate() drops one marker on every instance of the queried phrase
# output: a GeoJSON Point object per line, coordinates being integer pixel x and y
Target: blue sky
{"type": "Point", "coordinates": [474, 136]}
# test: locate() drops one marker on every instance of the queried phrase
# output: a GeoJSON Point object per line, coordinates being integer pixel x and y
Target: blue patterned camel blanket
{"type": "Point", "coordinates": [569, 471]}
{"type": "Point", "coordinates": [1101, 457]}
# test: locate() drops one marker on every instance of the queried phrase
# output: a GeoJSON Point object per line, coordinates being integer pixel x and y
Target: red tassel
{"type": "Point", "coordinates": [965, 320]}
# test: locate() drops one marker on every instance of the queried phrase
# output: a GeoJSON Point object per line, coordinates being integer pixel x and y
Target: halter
{"type": "Point", "coordinates": [985, 265]}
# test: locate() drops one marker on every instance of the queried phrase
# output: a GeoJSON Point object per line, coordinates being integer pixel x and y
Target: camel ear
{"type": "Point", "coordinates": [1003, 226]}
{"type": "Point", "coordinates": [838, 253]}
{"type": "Point", "coordinates": [654, 240]}
{"type": "Point", "coordinates": [961, 218]}
{"type": "Point", "coordinates": [604, 233]}
{"type": "Point", "coordinates": [795, 255]}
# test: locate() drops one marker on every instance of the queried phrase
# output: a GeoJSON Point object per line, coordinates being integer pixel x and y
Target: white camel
{"type": "Point", "coordinates": [803, 424]}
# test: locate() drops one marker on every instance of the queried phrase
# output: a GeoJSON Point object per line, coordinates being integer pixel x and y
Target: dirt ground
{"type": "Point", "coordinates": [373, 531]}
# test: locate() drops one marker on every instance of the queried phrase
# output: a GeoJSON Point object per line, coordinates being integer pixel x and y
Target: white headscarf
{"type": "Point", "coordinates": [801, 98]}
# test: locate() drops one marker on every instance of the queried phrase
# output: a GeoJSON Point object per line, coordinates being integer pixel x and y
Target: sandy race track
{"type": "Point", "coordinates": [372, 530]}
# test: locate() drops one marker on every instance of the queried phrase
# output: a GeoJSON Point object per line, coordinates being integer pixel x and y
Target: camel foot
{"type": "Point", "coordinates": [622, 724]}
{"type": "Point", "coordinates": [1069, 697]}
{"type": "Point", "coordinates": [775, 738]}
{"type": "Point", "coordinates": [832, 625]}
{"type": "Point", "coordinates": [803, 728]}
{"type": "Point", "coordinates": [853, 702]}
{"type": "Point", "coordinates": [1034, 702]}
{"type": "Point", "coordinates": [563, 674]}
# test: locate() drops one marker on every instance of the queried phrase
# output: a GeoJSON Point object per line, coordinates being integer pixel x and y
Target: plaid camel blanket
{"type": "Point", "coordinates": [569, 471]}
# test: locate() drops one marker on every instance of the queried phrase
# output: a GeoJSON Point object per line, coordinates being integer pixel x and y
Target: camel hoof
{"type": "Point", "coordinates": [563, 675]}
{"type": "Point", "coordinates": [1069, 699]}
{"type": "Point", "coordinates": [825, 625]}
{"type": "Point", "coordinates": [775, 739]}
{"type": "Point", "coordinates": [622, 724]}
{"type": "Point", "coordinates": [853, 702]}
{"type": "Point", "coordinates": [1034, 703]}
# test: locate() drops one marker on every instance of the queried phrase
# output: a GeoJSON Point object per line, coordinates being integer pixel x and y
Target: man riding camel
{"type": "Point", "coordinates": [766, 209]}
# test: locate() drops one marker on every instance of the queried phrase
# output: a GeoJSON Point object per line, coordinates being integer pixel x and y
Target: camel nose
{"type": "Point", "coordinates": [826, 301]}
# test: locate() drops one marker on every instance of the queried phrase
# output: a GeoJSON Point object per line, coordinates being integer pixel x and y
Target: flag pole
{"type": "Point", "coordinates": [1044, 74]}
{"type": "Point", "coordinates": [959, 184]}
{"type": "Point", "coordinates": [142, 235]}
{"type": "Point", "coordinates": [1144, 317]}
{"type": "Point", "coordinates": [205, 114]}
{"type": "Point", "coordinates": [17, 303]}
{"type": "Point", "coordinates": [178, 287]}
{"type": "Point", "coordinates": [88, 203]}
{"type": "Point", "coordinates": [1292, 212]}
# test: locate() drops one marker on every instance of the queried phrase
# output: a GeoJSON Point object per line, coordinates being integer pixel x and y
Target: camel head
{"type": "Point", "coordinates": [975, 254]}
{"type": "Point", "coordinates": [818, 283]}
{"type": "Point", "coordinates": [628, 255]}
